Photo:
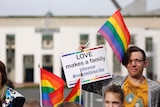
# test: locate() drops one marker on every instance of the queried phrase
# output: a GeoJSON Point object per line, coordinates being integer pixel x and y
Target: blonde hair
{"type": "Point", "coordinates": [69, 104]}
{"type": "Point", "coordinates": [31, 103]}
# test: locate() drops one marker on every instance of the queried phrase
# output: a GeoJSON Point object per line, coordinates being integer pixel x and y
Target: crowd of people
{"type": "Point", "coordinates": [132, 90]}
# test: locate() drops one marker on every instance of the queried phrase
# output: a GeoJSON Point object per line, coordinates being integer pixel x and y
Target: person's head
{"type": "Point", "coordinates": [69, 104]}
{"type": "Point", "coordinates": [31, 103]}
{"type": "Point", "coordinates": [135, 61]}
{"type": "Point", "coordinates": [3, 74]}
{"type": "Point", "coordinates": [113, 96]}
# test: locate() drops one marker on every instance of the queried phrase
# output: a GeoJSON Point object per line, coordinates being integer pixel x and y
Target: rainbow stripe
{"type": "Point", "coordinates": [49, 83]}
{"type": "Point", "coordinates": [117, 34]}
{"type": "Point", "coordinates": [94, 79]}
{"type": "Point", "coordinates": [85, 50]}
{"type": "Point", "coordinates": [74, 95]}
{"type": "Point", "coordinates": [57, 96]}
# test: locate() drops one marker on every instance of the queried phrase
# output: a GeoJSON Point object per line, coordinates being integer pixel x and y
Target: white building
{"type": "Point", "coordinates": [29, 42]}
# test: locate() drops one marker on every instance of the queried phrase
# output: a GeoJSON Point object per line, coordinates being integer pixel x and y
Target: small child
{"type": "Point", "coordinates": [114, 96]}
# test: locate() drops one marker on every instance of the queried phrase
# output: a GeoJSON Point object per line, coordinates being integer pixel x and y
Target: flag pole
{"type": "Point", "coordinates": [40, 90]}
{"type": "Point", "coordinates": [80, 93]}
{"type": "Point", "coordinates": [80, 97]}
{"type": "Point", "coordinates": [90, 40]}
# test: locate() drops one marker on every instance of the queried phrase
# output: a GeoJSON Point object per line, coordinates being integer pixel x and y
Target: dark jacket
{"type": "Point", "coordinates": [13, 98]}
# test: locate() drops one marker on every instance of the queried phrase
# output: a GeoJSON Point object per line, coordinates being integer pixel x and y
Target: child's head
{"type": "Point", "coordinates": [113, 96]}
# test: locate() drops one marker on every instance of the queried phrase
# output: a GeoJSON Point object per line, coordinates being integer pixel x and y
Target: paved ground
{"type": "Point", "coordinates": [32, 91]}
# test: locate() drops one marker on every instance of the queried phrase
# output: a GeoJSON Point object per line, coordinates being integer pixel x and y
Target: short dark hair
{"type": "Point", "coordinates": [3, 72]}
{"type": "Point", "coordinates": [115, 89]}
{"type": "Point", "coordinates": [128, 54]}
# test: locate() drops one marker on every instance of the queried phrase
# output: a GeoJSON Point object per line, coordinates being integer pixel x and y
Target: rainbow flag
{"type": "Point", "coordinates": [75, 94]}
{"type": "Point", "coordinates": [57, 96]}
{"type": "Point", "coordinates": [49, 83]}
{"type": "Point", "coordinates": [117, 34]}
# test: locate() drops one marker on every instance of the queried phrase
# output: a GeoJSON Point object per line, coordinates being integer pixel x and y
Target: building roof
{"type": "Point", "coordinates": [139, 8]}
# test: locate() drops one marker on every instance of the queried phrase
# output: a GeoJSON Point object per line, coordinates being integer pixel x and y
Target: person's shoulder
{"type": "Point", "coordinates": [14, 93]}
{"type": "Point", "coordinates": [13, 97]}
{"type": "Point", "coordinates": [153, 84]}
{"type": "Point", "coordinates": [118, 80]}
{"type": "Point", "coordinates": [18, 101]}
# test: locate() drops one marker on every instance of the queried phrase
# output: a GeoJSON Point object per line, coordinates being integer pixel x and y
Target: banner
{"type": "Point", "coordinates": [90, 65]}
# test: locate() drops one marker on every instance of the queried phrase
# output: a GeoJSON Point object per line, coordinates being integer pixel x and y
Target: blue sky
{"type": "Point", "coordinates": [62, 7]}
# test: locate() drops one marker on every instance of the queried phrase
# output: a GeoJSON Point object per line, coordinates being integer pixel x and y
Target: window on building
{"type": "Point", "coordinates": [28, 60]}
{"type": "Point", "coordinates": [28, 64]}
{"type": "Point", "coordinates": [132, 39]}
{"type": "Point", "coordinates": [47, 41]}
{"type": "Point", "coordinates": [116, 65]}
{"type": "Point", "coordinates": [84, 39]}
{"type": "Point", "coordinates": [10, 40]}
{"type": "Point", "coordinates": [149, 44]}
{"type": "Point", "coordinates": [47, 61]}
{"type": "Point", "coordinates": [100, 40]}
{"type": "Point", "coordinates": [10, 52]}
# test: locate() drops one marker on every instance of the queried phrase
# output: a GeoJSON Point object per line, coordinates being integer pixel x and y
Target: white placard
{"type": "Point", "coordinates": [90, 65]}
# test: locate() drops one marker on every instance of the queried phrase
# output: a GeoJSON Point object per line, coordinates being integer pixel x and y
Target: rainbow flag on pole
{"type": "Point", "coordinates": [75, 94]}
{"type": "Point", "coordinates": [117, 34]}
{"type": "Point", "coordinates": [50, 83]}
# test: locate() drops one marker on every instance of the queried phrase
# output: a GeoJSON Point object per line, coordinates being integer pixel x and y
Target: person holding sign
{"type": "Point", "coordinates": [139, 91]}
